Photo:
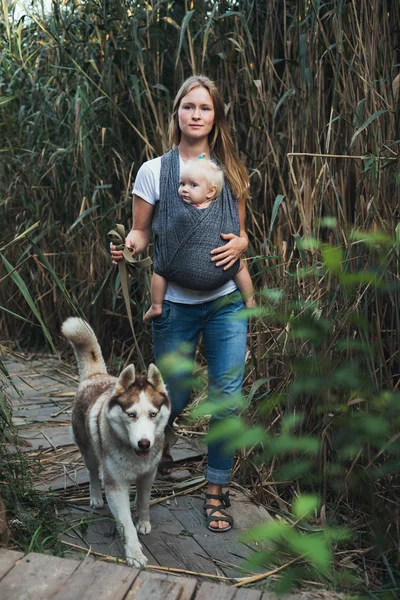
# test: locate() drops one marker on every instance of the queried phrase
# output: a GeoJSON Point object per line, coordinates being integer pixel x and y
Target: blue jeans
{"type": "Point", "coordinates": [177, 330]}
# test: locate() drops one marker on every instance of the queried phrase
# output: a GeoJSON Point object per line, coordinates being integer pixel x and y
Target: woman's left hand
{"type": "Point", "coordinates": [230, 252]}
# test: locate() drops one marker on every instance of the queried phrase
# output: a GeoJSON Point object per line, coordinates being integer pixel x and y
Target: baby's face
{"type": "Point", "coordinates": [195, 189]}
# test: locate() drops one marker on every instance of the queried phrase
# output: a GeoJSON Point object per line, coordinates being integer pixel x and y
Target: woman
{"type": "Point", "coordinates": [198, 127]}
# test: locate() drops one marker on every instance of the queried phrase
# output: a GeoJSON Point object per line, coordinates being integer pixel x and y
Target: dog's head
{"type": "Point", "coordinates": [139, 408]}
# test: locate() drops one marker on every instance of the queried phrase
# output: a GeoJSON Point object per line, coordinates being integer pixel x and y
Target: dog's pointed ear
{"type": "Point", "coordinates": [154, 377]}
{"type": "Point", "coordinates": [125, 380]}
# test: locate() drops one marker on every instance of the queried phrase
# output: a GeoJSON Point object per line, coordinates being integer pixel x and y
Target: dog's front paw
{"type": "Point", "coordinates": [143, 527]}
{"type": "Point", "coordinates": [96, 501]}
{"type": "Point", "coordinates": [136, 559]}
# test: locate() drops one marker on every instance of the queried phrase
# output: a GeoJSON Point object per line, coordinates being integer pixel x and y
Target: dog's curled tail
{"type": "Point", "coordinates": [86, 347]}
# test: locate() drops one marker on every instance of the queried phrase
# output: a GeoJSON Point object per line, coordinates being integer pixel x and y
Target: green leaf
{"type": "Point", "coordinates": [329, 222]}
{"type": "Point", "coordinates": [336, 534]}
{"type": "Point", "coordinates": [370, 119]}
{"type": "Point", "coordinates": [4, 101]}
{"type": "Point", "coordinates": [371, 239]}
{"type": "Point", "coordinates": [185, 23]}
{"type": "Point", "coordinates": [251, 437]}
{"type": "Point", "coordinates": [55, 277]}
{"type": "Point", "coordinates": [275, 210]}
{"type": "Point", "coordinates": [332, 258]}
{"type": "Point", "coordinates": [15, 315]}
{"type": "Point", "coordinates": [271, 530]}
{"type": "Point", "coordinates": [207, 31]}
{"type": "Point", "coordinates": [21, 236]}
{"type": "Point", "coordinates": [313, 547]}
{"type": "Point", "coordinates": [308, 243]}
{"type": "Point", "coordinates": [16, 277]}
{"type": "Point", "coordinates": [273, 294]}
{"type": "Point", "coordinates": [360, 113]}
{"type": "Point", "coordinates": [303, 54]}
{"type": "Point", "coordinates": [286, 444]}
{"type": "Point", "coordinates": [81, 217]}
{"type": "Point", "coordinates": [288, 93]}
{"type": "Point", "coordinates": [219, 407]}
{"type": "Point", "coordinates": [226, 430]}
{"type": "Point", "coordinates": [256, 386]}
{"type": "Point", "coordinates": [305, 505]}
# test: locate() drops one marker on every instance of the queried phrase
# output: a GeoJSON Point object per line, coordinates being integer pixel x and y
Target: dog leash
{"type": "Point", "coordinates": [127, 265]}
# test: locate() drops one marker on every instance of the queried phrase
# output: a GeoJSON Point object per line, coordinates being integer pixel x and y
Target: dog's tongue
{"type": "Point", "coordinates": [142, 452]}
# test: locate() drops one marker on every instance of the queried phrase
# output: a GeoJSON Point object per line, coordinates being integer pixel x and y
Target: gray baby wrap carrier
{"type": "Point", "coordinates": [185, 235]}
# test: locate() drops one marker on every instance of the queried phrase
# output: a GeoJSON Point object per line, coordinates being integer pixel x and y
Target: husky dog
{"type": "Point", "coordinates": [118, 424]}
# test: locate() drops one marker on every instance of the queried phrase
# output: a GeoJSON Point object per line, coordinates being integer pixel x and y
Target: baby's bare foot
{"type": "Point", "coordinates": [155, 310]}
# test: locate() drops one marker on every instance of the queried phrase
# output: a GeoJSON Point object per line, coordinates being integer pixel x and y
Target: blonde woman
{"type": "Point", "coordinates": [198, 252]}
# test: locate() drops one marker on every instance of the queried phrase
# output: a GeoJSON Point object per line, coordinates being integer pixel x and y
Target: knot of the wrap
{"type": "Point", "coordinates": [117, 237]}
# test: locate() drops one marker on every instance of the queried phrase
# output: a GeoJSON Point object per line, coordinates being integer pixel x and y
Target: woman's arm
{"type": "Point", "coordinates": [142, 215]}
{"type": "Point", "coordinates": [139, 236]}
{"type": "Point", "coordinates": [228, 254]}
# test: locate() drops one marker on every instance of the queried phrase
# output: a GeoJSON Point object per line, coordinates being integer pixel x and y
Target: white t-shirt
{"type": "Point", "coordinates": [147, 186]}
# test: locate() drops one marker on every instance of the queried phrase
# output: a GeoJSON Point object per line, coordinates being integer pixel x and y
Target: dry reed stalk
{"type": "Point", "coordinates": [149, 567]}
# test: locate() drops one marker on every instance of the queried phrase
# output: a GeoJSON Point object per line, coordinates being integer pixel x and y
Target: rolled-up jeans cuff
{"type": "Point", "coordinates": [217, 476]}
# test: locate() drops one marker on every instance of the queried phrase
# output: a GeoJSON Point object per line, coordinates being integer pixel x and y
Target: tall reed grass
{"type": "Point", "coordinates": [312, 98]}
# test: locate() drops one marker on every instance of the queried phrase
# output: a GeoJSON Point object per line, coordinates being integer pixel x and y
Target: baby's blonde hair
{"type": "Point", "coordinates": [208, 169]}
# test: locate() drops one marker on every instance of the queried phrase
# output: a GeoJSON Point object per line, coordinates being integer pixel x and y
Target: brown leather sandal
{"type": "Point", "coordinates": [211, 516]}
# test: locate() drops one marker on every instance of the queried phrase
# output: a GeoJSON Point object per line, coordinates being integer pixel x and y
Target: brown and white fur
{"type": "Point", "coordinates": [118, 424]}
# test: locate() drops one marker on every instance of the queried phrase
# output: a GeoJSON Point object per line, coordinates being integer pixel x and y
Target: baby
{"type": "Point", "coordinates": [201, 182]}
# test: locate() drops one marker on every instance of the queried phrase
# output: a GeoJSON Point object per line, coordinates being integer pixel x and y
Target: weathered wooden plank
{"type": "Point", "coordinates": [223, 592]}
{"type": "Point", "coordinates": [179, 475]}
{"type": "Point", "coordinates": [99, 580]}
{"type": "Point", "coordinates": [188, 584]}
{"type": "Point", "coordinates": [74, 477]}
{"type": "Point", "coordinates": [39, 398]}
{"type": "Point", "coordinates": [216, 592]}
{"type": "Point", "coordinates": [70, 478]}
{"type": "Point", "coordinates": [147, 587]}
{"type": "Point", "coordinates": [41, 413]}
{"type": "Point", "coordinates": [187, 449]}
{"type": "Point", "coordinates": [47, 437]}
{"type": "Point", "coordinates": [245, 513]}
{"type": "Point", "coordinates": [36, 576]}
{"type": "Point", "coordinates": [244, 594]}
{"type": "Point", "coordinates": [98, 532]}
{"type": "Point", "coordinates": [171, 544]}
{"type": "Point", "coordinates": [8, 558]}
{"type": "Point", "coordinates": [226, 547]}
{"type": "Point", "coordinates": [303, 595]}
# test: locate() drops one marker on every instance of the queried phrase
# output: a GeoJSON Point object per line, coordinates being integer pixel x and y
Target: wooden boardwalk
{"type": "Point", "coordinates": [179, 537]}
{"type": "Point", "coordinates": [41, 577]}
{"type": "Point", "coordinates": [210, 565]}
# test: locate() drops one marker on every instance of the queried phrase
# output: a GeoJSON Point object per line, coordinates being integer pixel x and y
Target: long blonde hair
{"type": "Point", "coordinates": [219, 139]}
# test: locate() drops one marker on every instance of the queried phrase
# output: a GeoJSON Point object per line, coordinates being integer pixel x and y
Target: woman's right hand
{"type": "Point", "coordinates": [116, 255]}
{"type": "Point", "coordinates": [137, 239]}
